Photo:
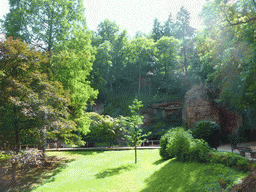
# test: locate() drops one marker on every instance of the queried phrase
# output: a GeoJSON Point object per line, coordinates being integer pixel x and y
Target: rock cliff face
{"type": "Point", "coordinates": [98, 107]}
{"type": "Point", "coordinates": [199, 106]}
{"type": "Point", "coordinates": [163, 110]}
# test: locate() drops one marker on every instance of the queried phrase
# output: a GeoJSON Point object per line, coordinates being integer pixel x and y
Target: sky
{"type": "Point", "coordinates": [132, 15]}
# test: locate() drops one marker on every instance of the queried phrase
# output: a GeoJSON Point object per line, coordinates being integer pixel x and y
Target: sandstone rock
{"type": "Point", "coordinates": [165, 108]}
{"type": "Point", "coordinates": [199, 105]}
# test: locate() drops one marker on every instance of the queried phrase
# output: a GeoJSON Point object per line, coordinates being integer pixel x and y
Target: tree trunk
{"type": "Point", "coordinates": [43, 139]}
{"type": "Point", "coordinates": [14, 168]}
{"type": "Point", "coordinates": [135, 143]}
{"type": "Point", "coordinates": [16, 148]}
{"type": "Point", "coordinates": [135, 153]}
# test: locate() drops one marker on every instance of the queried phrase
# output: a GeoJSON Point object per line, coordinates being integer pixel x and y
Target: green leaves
{"type": "Point", "coordinates": [227, 50]}
{"type": "Point", "coordinates": [105, 127]}
{"type": "Point", "coordinates": [132, 123]}
{"type": "Point", "coordinates": [28, 99]}
{"type": "Point", "coordinates": [42, 22]}
{"type": "Point", "coordinates": [72, 64]}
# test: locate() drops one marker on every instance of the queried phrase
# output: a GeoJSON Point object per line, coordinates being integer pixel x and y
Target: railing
{"type": "Point", "coordinates": [150, 143]}
{"type": "Point", "coordinates": [56, 145]}
{"type": "Point", "coordinates": [49, 145]}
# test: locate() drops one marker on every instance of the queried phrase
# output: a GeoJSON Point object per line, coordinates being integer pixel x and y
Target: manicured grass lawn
{"type": "Point", "coordinates": [116, 171]}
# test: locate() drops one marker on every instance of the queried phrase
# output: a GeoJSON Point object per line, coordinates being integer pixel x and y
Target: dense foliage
{"type": "Point", "coordinates": [29, 100]}
{"type": "Point", "coordinates": [78, 66]}
{"type": "Point", "coordinates": [105, 129]}
{"type": "Point", "coordinates": [180, 143]}
{"type": "Point", "coordinates": [208, 131]}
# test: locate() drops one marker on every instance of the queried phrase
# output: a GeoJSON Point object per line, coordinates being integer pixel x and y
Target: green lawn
{"type": "Point", "coordinates": [116, 171]}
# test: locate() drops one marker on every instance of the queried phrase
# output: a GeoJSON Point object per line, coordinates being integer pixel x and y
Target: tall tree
{"type": "Point", "coordinates": [185, 33]}
{"type": "Point", "coordinates": [43, 23]}
{"type": "Point", "coordinates": [168, 49]}
{"type": "Point", "coordinates": [168, 28]}
{"type": "Point", "coordinates": [108, 30]}
{"type": "Point", "coordinates": [157, 32]}
{"type": "Point", "coordinates": [141, 52]}
{"type": "Point", "coordinates": [229, 49]}
{"type": "Point", "coordinates": [72, 64]}
{"type": "Point", "coordinates": [28, 99]}
{"type": "Point", "coordinates": [119, 59]}
{"type": "Point", "coordinates": [101, 69]}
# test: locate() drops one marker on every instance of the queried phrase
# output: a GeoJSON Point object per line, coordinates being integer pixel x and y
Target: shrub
{"type": "Point", "coordinates": [234, 139]}
{"type": "Point", "coordinates": [232, 160]}
{"type": "Point", "coordinates": [198, 151]}
{"type": "Point", "coordinates": [179, 144]}
{"type": "Point", "coordinates": [208, 131]}
{"type": "Point", "coordinates": [28, 158]}
{"type": "Point", "coordinates": [163, 144]}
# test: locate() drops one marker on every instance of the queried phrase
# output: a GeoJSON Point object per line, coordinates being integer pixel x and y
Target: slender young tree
{"type": "Point", "coordinates": [133, 126]}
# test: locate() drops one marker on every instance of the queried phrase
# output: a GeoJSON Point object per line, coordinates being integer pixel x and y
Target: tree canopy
{"type": "Point", "coordinates": [29, 100]}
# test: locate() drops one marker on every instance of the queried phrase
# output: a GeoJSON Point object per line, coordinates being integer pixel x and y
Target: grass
{"type": "Point", "coordinates": [116, 171]}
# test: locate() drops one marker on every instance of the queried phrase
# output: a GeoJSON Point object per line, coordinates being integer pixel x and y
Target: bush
{"type": "Point", "coordinates": [234, 139]}
{"type": "Point", "coordinates": [163, 144]}
{"type": "Point", "coordinates": [198, 151]}
{"type": "Point", "coordinates": [179, 144]}
{"type": "Point", "coordinates": [232, 160]}
{"type": "Point", "coordinates": [164, 141]}
{"type": "Point", "coordinates": [28, 158]}
{"type": "Point", "coordinates": [208, 131]}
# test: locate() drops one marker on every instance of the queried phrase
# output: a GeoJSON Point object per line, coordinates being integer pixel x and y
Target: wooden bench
{"type": "Point", "coordinates": [244, 150]}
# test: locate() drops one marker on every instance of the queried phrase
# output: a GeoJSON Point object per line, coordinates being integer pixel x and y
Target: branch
{"type": "Point", "coordinates": [241, 22]}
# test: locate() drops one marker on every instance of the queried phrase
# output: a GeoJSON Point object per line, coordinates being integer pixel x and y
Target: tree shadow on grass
{"type": "Point", "coordinates": [177, 176]}
{"type": "Point", "coordinates": [159, 161]}
{"type": "Point", "coordinates": [113, 171]}
{"type": "Point", "coordinates": [28, 179]}
{"type": "Point", "coordinates": [84, 152]}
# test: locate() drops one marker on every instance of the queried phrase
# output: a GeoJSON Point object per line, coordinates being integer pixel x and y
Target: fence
{"type": "Point", "coordinates": [151, 143]}
{"type": "Point", "coordinates": [87, 145]}
{"type": "Point", "coordinates": [49, 145]}
{"type": "Point", "coordinates": [144, 144]}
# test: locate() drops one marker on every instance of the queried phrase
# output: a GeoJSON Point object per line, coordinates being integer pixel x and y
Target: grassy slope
{"type": "Point", "coordinates": [116, 171]}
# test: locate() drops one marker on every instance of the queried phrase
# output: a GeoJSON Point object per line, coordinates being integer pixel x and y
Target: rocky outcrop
{"type": "Point", "coordinates": [98, 107]}
{"type": "Point", "coordinates": [163, 109]}
{"type": "Point", "coordinates": [229, 120]}
{"type": "Point", "coordinates": [199, 106]}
